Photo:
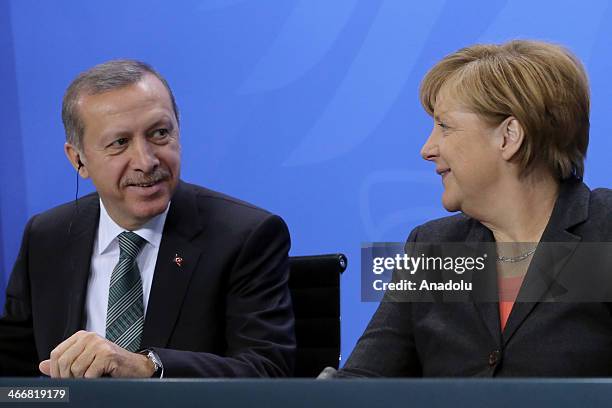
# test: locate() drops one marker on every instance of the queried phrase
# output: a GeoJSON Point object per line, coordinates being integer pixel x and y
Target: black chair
{"type": "Point", "coordinates": [314, 282]}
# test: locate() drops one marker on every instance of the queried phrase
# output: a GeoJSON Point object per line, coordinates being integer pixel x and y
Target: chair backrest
{"type": "Point", "coordinates": [314, 282]}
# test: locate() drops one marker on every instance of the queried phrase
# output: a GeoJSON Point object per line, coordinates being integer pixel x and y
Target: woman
{"type": "Point", "coordinates": [511, 129]}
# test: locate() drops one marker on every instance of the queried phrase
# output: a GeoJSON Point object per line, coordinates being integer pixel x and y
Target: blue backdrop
{"type": "Point", "coordinates": [307, 108]}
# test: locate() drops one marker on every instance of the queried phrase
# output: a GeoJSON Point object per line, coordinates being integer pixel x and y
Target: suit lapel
{"type": "Point", "coordinates": [172, 275]}
{"type": "Point", "coordinates": [80, 246]}
{"type": "Point", "coordinates": [484, 293]}
{"type": "Point", "coordinates": [558, 246]}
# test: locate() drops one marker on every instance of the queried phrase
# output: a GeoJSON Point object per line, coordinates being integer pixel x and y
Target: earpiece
{"type": "Point", "coordinates": [76, 193]}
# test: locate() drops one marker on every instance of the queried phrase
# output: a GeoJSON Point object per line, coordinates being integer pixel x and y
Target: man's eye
{"type": "Point", "coordinates": [443, 125]}
{"type": "Point", "coordinates": [119, 142]}
{"type": "Point", "coordinates": [160, 133]}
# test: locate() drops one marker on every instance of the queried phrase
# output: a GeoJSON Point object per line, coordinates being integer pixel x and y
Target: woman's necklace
{"type": "Point", "coordinates": [518, 258]}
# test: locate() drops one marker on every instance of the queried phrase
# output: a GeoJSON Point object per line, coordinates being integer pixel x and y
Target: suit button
{"type": "Point", "coordinates": [494, 357]}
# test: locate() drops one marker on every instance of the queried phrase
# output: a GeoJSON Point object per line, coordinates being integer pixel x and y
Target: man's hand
{"type": "Point", "coordinates": [87, 355]}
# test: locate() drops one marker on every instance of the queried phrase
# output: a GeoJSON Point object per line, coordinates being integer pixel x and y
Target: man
{"type": "Point", "coordinates": [150, 276]}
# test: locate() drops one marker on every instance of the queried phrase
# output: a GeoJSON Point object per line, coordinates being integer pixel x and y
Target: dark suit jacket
{"type": "Point", "coordinates": [225, 312]}
{"type": "Point", "coordinates": [541, 338]}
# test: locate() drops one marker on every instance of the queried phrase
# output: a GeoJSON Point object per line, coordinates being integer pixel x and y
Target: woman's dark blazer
{"type": "Point", "coordinates": [541, 338]}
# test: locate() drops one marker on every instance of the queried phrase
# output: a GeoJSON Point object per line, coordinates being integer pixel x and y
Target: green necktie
{"type": "Point", "coordinates": [125, 317]}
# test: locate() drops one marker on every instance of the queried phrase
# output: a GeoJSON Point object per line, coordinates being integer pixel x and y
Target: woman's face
{"type": "Point", "coordinates": [465, 150]}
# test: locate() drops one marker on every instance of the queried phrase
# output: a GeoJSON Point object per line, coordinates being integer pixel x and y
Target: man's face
{"type": "Point", "coordinates": [131, 150]}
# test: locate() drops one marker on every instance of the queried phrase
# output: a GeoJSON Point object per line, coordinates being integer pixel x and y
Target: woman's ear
{"type": "Point", "coordinates": [513, 137]}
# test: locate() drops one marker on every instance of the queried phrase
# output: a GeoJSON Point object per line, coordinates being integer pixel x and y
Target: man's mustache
{"type": "Point", "coordinates": [159, 174]}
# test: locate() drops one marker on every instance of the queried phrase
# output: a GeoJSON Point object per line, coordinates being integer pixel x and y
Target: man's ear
{"type": "Point", "coordinates": [513, 137]}
{"type": "Point", "coordinates": [76, 159]}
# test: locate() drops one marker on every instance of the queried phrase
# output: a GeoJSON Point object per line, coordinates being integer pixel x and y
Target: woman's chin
{"type": "Point", "coordinates": [450, 203]}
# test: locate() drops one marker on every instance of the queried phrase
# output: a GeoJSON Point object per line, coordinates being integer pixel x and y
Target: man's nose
{"type": "Point", "coordinates": [144, 156]}
{"type": "Point", "coordinates": [430, 150]}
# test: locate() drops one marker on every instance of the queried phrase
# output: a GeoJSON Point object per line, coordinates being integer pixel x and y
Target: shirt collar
{"type": "Point", "coordinates": [108, 229]}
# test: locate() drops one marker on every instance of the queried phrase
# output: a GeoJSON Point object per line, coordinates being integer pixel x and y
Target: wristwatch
{"type": "Point", "coordinates": [154, 358]}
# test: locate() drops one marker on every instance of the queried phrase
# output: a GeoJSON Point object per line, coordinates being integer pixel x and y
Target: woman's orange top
{"type": "Point", "coordinates": [508, 288]}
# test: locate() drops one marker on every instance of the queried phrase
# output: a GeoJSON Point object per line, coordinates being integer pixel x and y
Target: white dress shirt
{"type": "Point", "coordinates": [106, 255]}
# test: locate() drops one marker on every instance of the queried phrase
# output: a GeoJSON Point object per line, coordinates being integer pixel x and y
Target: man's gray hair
{"type": "Point", "coordinates": [102, 78]}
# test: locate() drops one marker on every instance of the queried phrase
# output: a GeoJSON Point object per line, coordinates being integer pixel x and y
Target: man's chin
{"type": "Point", "coordinates": [146, 211]}
{"type": "Point", "coordinates": [139, 212]}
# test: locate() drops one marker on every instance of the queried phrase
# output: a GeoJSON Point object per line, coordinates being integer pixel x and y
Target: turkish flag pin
{"type": "Point", "coordinates": [178, 260]}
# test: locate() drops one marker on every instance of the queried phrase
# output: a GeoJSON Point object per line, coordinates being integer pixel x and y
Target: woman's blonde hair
{"type": "Point", "coordinates": [544, 86]}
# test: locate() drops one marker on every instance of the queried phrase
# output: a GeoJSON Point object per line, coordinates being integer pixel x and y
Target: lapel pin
{"type": "Point", "coordinates": [178, 260]}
